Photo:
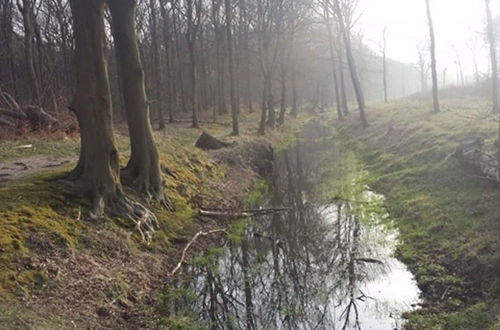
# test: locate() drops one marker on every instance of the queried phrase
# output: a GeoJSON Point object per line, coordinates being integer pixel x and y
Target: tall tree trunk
{"type": "Point", "coordinates": [26, 10]}
{"type": "Point", "coordinates": [435, 88]}
{"type": "Point", "coordinates": [191, 41]}
{"type": "Point", "coordinates": [281, 118]}
{"type": "Point", "coordinates": [342, 84]}
{"type": "Point", "coordinates": [179, 57]}
{"type": "Point", "coordinates": [232, 84]}
{"type": "Point", "coordinates": [340, 115]}
{"type": "Point", "coordinates": [493, 58]}
{"type": "Point", "coordinates": [157, 70]}
{"type": "Point", "coordinates": [356, 83]}
{"type": "Point", "coordinates": [384, 65]}
{"type": "Point", "coordinates": [295, 108]}
{"type": "Point", "coordinates": [143, 171]}
{"type": "Point", "coordinates": [246, 54]}
{"type": "Point", "coordinates": [265, 104]}
{"type": "Point", "coordinates": [167, 39]}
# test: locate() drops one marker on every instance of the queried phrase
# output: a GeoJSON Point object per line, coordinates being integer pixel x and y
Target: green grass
{"type": "Point", "coordinates": [447, 216]}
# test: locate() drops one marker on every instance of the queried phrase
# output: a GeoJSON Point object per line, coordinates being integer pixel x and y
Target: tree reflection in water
{"type": "Point", "coordinates": [306, 268]}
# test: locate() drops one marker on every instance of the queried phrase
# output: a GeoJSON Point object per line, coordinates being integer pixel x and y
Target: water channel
{"type": "Point", "coordinates": [326, 262]}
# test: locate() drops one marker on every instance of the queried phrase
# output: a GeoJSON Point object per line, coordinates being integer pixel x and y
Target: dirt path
{"type": "Point", "coordinates": [21, 167]}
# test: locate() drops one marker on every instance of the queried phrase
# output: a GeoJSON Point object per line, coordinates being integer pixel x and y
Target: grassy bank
{"type": "Point", "coordinates": [59, 267]}
{"type": "Point", "coordinates": [448, 216]}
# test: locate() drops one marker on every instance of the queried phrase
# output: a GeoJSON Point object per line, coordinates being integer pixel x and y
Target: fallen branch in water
{"type": "Point", "coordinates": [225, 213]}
{"type": "Point", "coordinates": [370, 261]}
{"type": "Point", "coordinates": [195, 237]}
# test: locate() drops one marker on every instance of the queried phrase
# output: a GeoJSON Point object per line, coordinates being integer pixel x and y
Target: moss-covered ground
{"type": "Point", "coordinates": [60, 267]}
{"type": "Point", "coordinates": [448, 216]}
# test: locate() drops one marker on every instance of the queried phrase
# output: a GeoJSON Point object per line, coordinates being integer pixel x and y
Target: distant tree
{"type": "Point", "coordinates": [383, 49]}
{"type": "Point", "coordinates": [232, 83]}
{"type": "Point", "coordinates": [435, 87]}
{"type": "Point", "coordinates": [27, 11]}
{"type": "Point", "coordinates": [344, 11]}
{"type": "Point", "coordinates": [193, 14]}
{"type": "Point", "coordinates": [423, 65]}
{"type": "Point", "coordinates": [333, 60]}
{"type": "Point", "coordinates": [157, 63]}
{"type": "Point", "coordinates": [493, 58]}
{"type": "Point", "coordinates": [472, 45]}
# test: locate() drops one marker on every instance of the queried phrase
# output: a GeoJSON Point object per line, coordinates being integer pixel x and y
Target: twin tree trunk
{"type": "Point", "coordinates": [98, 171]}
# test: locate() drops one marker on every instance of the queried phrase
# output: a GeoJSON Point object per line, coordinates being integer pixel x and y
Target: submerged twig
{"type": "Point", "coordinates": [195, 237]}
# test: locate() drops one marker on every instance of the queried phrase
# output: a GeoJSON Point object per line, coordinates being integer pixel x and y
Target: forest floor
{"type": "Point", "coordinates": [60, 270]}
{"type": "Point", "coordinates": [447, 215]}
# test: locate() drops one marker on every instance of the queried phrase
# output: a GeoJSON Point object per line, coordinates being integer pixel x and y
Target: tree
{"type": "Point", "coordinates": [331, 41]}
{"type": "Point", "coordinates": [143, 171]}
{"type": "Point", "coordinates": [383, 49]}
{"type": "Point", "coordinates": [435, 87]}
{"type": "Point", "coordinates": [193, 14]}
{"type": "Point", "coordinates": [267, 28]}
{"type": "Point", "coordinates": [493, 58]}
{"type": "Point", "coordinates": [423, 66]}
{"type": "Point", "coordinates": [232, 84]}
{"type": "Point", "coordinates": [344, 11]}
{"type": "Point", "coordinates": [157, 73]}
{"type": "Point", "coordinates": [27, 11]}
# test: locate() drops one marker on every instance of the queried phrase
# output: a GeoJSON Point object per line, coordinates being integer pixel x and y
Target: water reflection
{"type": "Point", "coordinates": [325, 263]}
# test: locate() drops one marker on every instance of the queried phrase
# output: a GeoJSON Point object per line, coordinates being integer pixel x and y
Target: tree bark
{"type": "Point", "coordinates": [435, 88]}
{"type": "Point", "coordinates": [143, 171]}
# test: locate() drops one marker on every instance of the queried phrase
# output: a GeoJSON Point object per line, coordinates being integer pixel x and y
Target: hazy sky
{"type": "Point", "coordinates": [457, 23]}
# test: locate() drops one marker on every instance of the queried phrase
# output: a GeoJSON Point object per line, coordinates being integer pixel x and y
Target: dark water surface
{"type": "Point", "coordinates": [325, 263]}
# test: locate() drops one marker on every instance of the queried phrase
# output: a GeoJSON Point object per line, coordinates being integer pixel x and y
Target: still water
{"type": "Point", "coordinates": [326, 262]}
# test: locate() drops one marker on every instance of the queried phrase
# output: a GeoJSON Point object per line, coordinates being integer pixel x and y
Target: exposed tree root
{"type": "Point", "coordinates": [147, 188]}
{"type": "Point", "coordinates": [117, 204]}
